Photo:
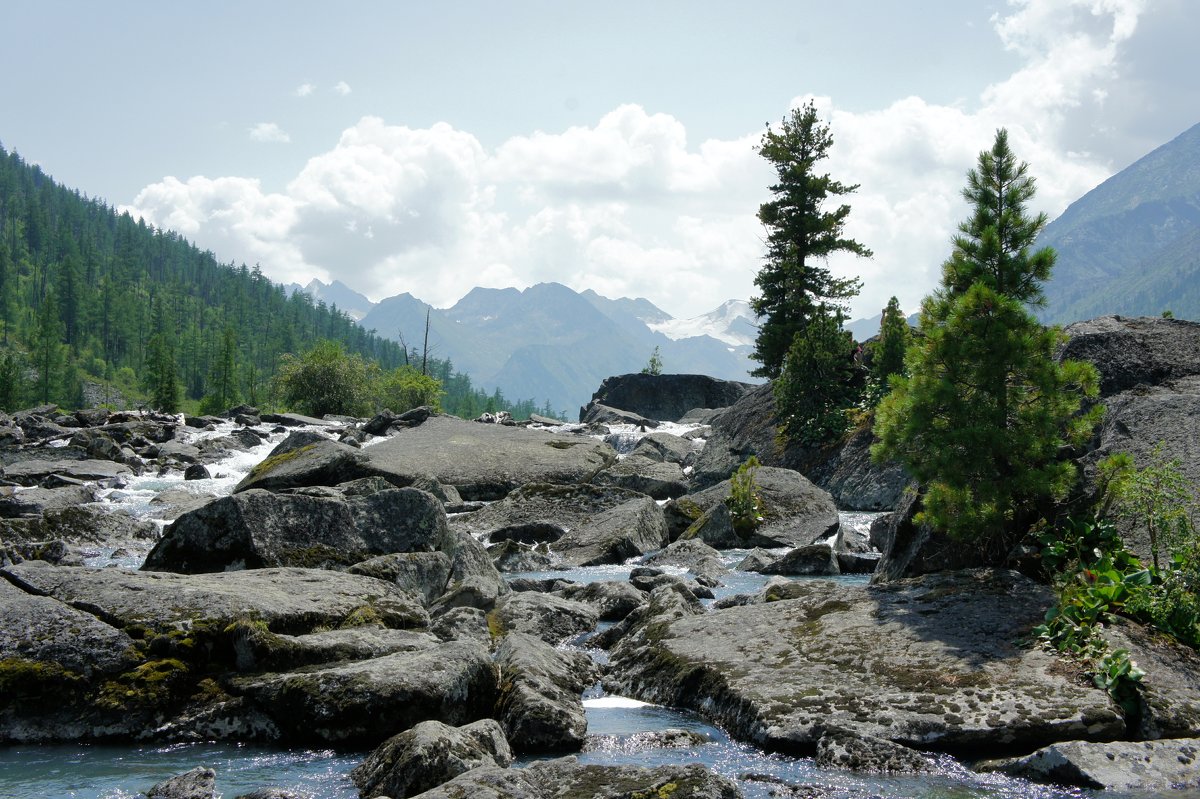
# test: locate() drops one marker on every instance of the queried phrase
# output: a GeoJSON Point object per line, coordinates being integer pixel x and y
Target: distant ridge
{"type": "Point", "coordinates": [1131, 245]}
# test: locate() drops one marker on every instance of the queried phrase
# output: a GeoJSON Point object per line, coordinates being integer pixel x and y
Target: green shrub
{"type": "Point", "coordinates": [744, 503]}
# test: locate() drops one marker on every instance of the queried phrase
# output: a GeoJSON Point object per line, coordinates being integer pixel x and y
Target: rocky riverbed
{"type": "Point", "coordinates": [457, 601]}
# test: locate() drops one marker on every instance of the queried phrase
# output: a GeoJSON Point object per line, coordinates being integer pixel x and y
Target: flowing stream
{"type": "Point", "coordinates": [620, 727]}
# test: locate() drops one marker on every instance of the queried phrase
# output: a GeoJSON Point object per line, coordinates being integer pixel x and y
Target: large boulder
{"type": "Point", "coordinates": [424, 573]}
{"type": "Point", "coordinates": [666, 448]}
{"type": "Point", "coordinates": [256, 529]}
{"type": "Point", "coordinates": [1129, 352]}
{"type": "Point", "coordinates": [428, 755]}
{"type": "Point", "coordinates": [364, 702]}
{"type": "Point", "coordinates": [933, 663]}
{"type": "Point", "coordinates": [35, 471]}
{"type": "Point", "coordinates": [551, 618]}
{"type": "Point", "coordinates": [854, 481]}
{"type": "Point", "coordinates": [486, 461]}
{"type": "Point", "coordinates": [306, 458]}
{"type": "Point", "coordinates": [539, 703]}
{"type": "Point", "coordinates": [910, 548]}
{"type": "Point", "coordinates": [154, 603]}
{"type": "Point", "coordinates": [584, 524]}
{"type": "Point", "coordinates": [567, 777]}
{"type": "Point", "coordinates": [656, 479]}
{"type": "Point", "coordinates": [795, 512]}
{"type": "Point", "coordinates": [1152, 767]}
{"type": "Point", "coordinates": [666, 398]}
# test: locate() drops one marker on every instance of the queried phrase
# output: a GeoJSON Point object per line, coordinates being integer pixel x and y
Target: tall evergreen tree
{"type": "Point", "coordinates": [796, 283]}
{"type": "Point", "coordinates": [818, 383]}
{"type": "Point", "coordinates": [887, 351]}
{"type": "Point", "coordinates": [982, 416]}
{"type": "Point", "coordinates": [48, 347]}
{"type": "Point", "coordinates": [160, 376]}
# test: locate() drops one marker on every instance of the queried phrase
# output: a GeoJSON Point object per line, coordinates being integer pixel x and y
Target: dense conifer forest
{"type": "Point", "coordinates": [96, 305]}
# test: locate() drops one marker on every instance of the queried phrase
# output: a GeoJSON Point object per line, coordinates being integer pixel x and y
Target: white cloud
{"type": "Point", "coordinates": [269, 132]}
{"type": "Point", "coordinates": [342, 88]}
{"type": "Point", "coordinates": [628, 206]}
{"type": "Point", "coordinates": [305, 89]}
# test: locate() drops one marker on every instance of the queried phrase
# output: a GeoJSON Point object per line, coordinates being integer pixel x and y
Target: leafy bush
{"type": "Point", "coordinates": [744, 503]}
{"type": "Point", "coordinates": [326, 379]}
{"type": "Point", "coordinates": [406, 388]}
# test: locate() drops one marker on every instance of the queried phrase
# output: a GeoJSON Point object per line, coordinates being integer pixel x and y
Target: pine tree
{"type": "Point", "coordinates": [982, 416]}
{"type": "Point", "coordinates": [887, 351]}
{"type": "Point", "coordinates": [160, 377]}
{"type": "Point", "coordinates": [796, 283]}
{"type": "Point", "coordinates": [818, 383]}
{"type": "Point", "coordinates": [48, 347]}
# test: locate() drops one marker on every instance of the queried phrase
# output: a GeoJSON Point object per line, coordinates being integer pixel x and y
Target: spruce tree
{"type": "Point", "coordinates": [796, 283]}
{"type": "Point", "coordinates": [819, 382]}
{"type": "Point", "coordinates": [887, 351]}
{"type": "Point", "coordinates": [985, 410]}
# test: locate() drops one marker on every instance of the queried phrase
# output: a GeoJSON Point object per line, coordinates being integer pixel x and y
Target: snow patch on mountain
{"type": "Point", "coordinates": [732, 323]}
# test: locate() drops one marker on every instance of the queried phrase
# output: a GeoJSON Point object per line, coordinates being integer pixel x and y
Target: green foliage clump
{"type": "Point", "coordinates": [1157, 497]}
{"type": "Point", "coordinates": [819, 382]}
{"type": "Point", "coordinates": [796, 284]}
{"type": "Point", "coordinates": [655, 365]}
{"type": "Point", "coordinates": [985, 412]}
{"type": "Point", "coordinates": [887, 352]}
{"type": "Point", "coordinates": [326, 380]}
{"type": "Point", "coordinates": [405, 388]}
{"type": "Point", "coordinates": [1095, 578]}
{"type": "Point", "coordinates": [744, 503]}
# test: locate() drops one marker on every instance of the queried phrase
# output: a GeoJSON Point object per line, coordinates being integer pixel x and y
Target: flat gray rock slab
{"type": "Point", "coordinates": [34, 471]}
{"type": "Point", "coordinates": [43, 630]}
{"type": "Point", "coordinates": [289, 600]}
{"type": "Point", "coordinates": [486, 461]}
{"type": "Point", "coordinates": [1156, 766]}
{"type": "Point", "coordinates": [931, 662]}
{"type": "Point", "coordinates": [370, 700]}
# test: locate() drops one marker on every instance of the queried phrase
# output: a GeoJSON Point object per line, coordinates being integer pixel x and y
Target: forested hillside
{"type": "Point", "coordinates": [92, 299]}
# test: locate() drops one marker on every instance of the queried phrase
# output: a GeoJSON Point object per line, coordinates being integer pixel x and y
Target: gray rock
{"type": "Point", "coordinates": [755, 560]}
{"type": "Point", "coordinates": [667, 397]}
{"type": "Point", "coordinates": [910, 549]}
{"type": "Point", "coordinates": [474, 579]}
{"type": "Point", "coordinates": [79, 524]}
{"type": "Point", "coordinates": [929, 663]}
{"type": "Point", "coordinates": [539, 704]}
{"type": "Point", "coordinates": [33, 472]}
{"type": "Point", "coordinates": [712, 527]}
{"type": "Point", "coordinates": [796, 512]}
{"type": "Point", "coordinates": [747, 427]}
{"type": "Point", "coordinates": [286, 600]}
{"type": "Point", "coordinates": [551, 618]}
{"type": "Point", "coordinates": [854, 481]}
{"type": "Point", "coordinates": [597, 413]}
{"type": "Point", "coordinates": [692, 554]}
{"type": "Point", "coordinates": [36, 501]}
{"type": "Point", "coordinates": [462, 624]}
{"type": "Point", "coordinates": [616, 535]}
{"type": "Point", "coordinates": [255, 529]}
{"type": "Point", "coordinates": [1138, 421]}
{"type": "Point", "coordinates": [1135, 351]}
{"type": "Point", "coordinates": [306, 458]}
{"type": "Point", "coordinates": [429, 754]}
{"type": "Point", "coordinates": [849, 750]}
{"type": "Point", "coordinates": [566, 777]}
{"type": "Point", "coordinates": [424, 573]}
{"type": "Point", "coordinates": [293, 420]}
{"type": "Point", "coordinates": [1150, 766]}
{"type": "Point", "coordinates": [73, 644]}
{"type": "Point", "coordinates": [637, 473]}
{"type": "Point", "coordinates": [858, 562]}
{"type": "Point", "coordinates": [666, 448]}
{"type": "Point", "coordinates": [613, 600]}
{"type": "Point", "coordinates": [1169, 692]}
{"type": "Point", "coordinates": [199, 783]}
{"type": "Point", "coordinates": [484, 461]}
{"type": "Point", "coordinates": [197, 471]}
{"type": "Point", "coordinates": [363, 702]}
{"type": "Point", "coordinates": [814, 559]}
{"type": "Point", "coordinates": [511, 556]}
{"type": "Point", "coordinates": [258, 649]}
{"type": "Point", "coordinates": [606, 524]}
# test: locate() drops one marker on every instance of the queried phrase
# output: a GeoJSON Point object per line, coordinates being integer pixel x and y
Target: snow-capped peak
{"type": "Point", "coordinates": [733, 323]}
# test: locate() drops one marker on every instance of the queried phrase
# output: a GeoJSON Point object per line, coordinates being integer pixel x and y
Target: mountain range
{"type": "Point", "coordinates": [1131, 245]}
{"type": "Point", "coordinates": [548, 342]}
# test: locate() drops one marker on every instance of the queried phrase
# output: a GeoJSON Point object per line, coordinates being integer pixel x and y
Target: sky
{"type": "Point", "coordinates": [433, 147]}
